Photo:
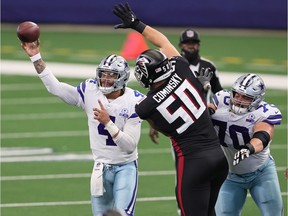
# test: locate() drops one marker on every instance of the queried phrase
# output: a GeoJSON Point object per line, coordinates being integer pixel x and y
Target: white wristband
{"type": "Point", "coordinates": [35, 57]}
{"type": "Point", "coordinates": [112, 128]}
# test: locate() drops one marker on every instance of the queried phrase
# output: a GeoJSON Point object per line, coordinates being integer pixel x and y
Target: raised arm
{"type": "Point", "coordinates": [33, 51]}
{"type": "Point", "coordinates": [64, 91]}
{"type": "Point", "coordinates": [129, 20]}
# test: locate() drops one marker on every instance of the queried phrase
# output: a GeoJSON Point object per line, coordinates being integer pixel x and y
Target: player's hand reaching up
{"type": "Point", "coordinates": [128, 17]}
{"type": "Point", "coordinates": [204, 76]}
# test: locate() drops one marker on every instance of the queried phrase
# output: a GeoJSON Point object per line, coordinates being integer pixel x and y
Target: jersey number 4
{"type": "Point", "coordinates": [103, 131]}
{"type": "Point", "coordinates": [190, 108]}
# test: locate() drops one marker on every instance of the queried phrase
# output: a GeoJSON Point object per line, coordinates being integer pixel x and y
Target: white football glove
{"type": "Point", "coordinates": [241, 155]}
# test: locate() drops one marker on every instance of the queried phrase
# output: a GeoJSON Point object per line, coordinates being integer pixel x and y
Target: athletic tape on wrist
{"type": "Point", "coordinates": [112, 128]}
{"type": "Point", "coordinates": [35, 57]}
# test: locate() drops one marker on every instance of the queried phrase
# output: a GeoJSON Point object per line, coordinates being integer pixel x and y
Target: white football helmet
{"type": "Point", "coordinates": [251, 86]}
{"type": "Point", "coordinates": [117, 65]}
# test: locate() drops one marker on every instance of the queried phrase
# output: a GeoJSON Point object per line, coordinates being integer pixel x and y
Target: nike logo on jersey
{"type": "Point", "coordinates": [133, 18]}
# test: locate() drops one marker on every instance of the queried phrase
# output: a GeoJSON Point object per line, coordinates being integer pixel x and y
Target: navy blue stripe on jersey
{"type": "Point", "coordinates": [81, 91]}
{"type": "Point", "coordinates": [83, 86]}
{"type": "Point", "coordinates": [274, 119]}
{"type": "Point", "coordinates": [134, 115]}
{"type": "Point", "coordinates": [81, 94]}
{"type": "Point", "coordinates": [216, 101]}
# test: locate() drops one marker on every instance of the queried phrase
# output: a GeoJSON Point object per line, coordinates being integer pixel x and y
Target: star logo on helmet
{"type": "Point", "coordinates": [261, 85]}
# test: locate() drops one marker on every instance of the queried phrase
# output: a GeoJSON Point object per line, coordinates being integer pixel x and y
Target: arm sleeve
{"type": "Point", "coordinates": [66, 92]}
{"type": "Point", "coordinates": [128, 139]}
{"type": "Point", "coordinates": [215, 83]}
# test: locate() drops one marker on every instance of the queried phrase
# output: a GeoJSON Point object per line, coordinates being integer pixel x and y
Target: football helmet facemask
{"type": "Point", "coordinates": [253, 88]}
{"type": "Point", "coordinates": [115, 70]}
{"type": "Point", "coordinates": [151, 66]}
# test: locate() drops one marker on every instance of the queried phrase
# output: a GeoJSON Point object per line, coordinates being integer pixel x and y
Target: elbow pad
{"type": "Point", "coordinates": [263, 136]}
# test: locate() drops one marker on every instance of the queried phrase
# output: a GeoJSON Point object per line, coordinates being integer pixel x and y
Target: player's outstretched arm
{"type": "Point", "coordinates": [130, 20]}
{"type": "Point", "coordinates": [64, 91]}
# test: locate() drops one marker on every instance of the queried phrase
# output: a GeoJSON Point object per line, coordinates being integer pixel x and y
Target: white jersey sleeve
{"type": "Point", "coordinates": [64, 91]}
{"type": "Point", "coordinates": [235, 130]}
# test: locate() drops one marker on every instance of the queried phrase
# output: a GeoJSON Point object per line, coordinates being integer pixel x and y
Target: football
{"type": "Point", "coordinates": [28, 31]}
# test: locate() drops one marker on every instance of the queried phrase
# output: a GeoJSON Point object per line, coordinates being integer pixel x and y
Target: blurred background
{"type": "Point", "coordinates": [257, 14]}
{"type": "Point", "coordinates": [45, 156]}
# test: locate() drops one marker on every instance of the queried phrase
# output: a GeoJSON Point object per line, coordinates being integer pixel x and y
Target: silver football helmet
{"type": "Point", "coordinates": [118, 70]}
{"type": "Point", "coordinates": [250, 86]}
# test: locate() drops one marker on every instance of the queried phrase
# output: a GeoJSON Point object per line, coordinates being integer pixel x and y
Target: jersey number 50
{"type": "Point", "coordinates": [191, 106]}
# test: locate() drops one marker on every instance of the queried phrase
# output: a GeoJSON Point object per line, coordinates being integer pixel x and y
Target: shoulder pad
{"type": "Point", "coordinates": [270, 113]}
{"type": "Point", "coordinates": [221, 98]}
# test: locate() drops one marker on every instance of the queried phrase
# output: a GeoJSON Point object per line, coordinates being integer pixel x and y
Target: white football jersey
{"type": "Point", "coordinates": [236, 130]}
{"type": "Point", "coordinates": [123, 148]}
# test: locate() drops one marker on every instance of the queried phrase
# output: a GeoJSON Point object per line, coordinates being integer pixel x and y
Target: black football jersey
{"type": "Point", "coordinates": [178, 109]}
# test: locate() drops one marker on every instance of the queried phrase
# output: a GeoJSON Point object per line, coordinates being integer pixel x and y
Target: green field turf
{"type": "Point", "coordinates": [31, 117]}
{"type": "Point", "coordinates": [260, 51]}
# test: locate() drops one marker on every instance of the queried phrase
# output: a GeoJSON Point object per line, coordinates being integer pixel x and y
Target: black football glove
{"type": "Point", "coordinates": [204, 76]}
{"type": "Point", "coordinates": [128, 17]}
{"type": "Point", "coordinates": [243, 153]}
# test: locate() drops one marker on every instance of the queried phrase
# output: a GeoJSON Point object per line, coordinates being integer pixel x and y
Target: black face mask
{"type": "Point", "coordinates": [190, 56]}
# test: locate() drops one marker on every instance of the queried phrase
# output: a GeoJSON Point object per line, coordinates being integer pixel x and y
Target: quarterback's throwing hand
{"type": "Point", "coordinates": [241, 155]}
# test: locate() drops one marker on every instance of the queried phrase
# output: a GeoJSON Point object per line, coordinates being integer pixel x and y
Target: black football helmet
{"type": "Point", "coordinates": [151, 66]}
